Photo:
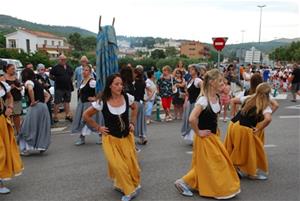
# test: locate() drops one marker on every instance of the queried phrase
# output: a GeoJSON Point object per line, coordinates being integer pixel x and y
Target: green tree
{"type": "Point", "coordinates": [171, 52]}
{"type": "Point", "coordinates": [88, 43]}
{"type": "Point", "coordinates": [76, 41]}
{"type": "Point", "coordinates": [2, 41]}
{"type": "Point", "coordinates": [148, 42]}
{"type": "Point", "coordinates": [158, 54]}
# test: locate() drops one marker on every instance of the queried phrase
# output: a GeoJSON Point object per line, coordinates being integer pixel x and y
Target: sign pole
{"type": "Point", "coordinates": [218, 59]}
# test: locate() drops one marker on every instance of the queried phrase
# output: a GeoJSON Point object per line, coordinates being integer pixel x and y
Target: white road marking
{"type": "Point", "coordinates": [290, 117]}
{"type": "Point", "coordinates": [59, 129]}
{"type": "Point", "coordinates": [189, 152]}
{"type": "Point", "coordinates": [294, 107]}
{"type": "Point", "coordinates": [270, 145]}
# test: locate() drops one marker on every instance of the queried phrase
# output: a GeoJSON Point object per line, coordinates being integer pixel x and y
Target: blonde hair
{"type": "Point", "coordinates": [260, 100]}
{"type": "Point", "coordinates": [209, 76]}
{"type": "Point", "coordinates": [167, 67]}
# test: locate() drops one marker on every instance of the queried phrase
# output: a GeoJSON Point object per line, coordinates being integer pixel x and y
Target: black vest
{"type": "Point", "coordinates": [86, 92]}
{"type": "Point", "coordinates": [38, 91]}
{"type": "Point", "coordinates": [193, 92]}
{"type": "Point", "coordinates": [15, 92]}
{"type": "Point", "coordinates": [250, 119]}
{"type": "Point", "coordinates": [114, 123]}
{"type": "Point", "coordinates": [208, 119]}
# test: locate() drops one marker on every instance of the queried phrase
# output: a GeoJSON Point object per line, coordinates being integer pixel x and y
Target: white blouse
{"type": "Point", "coordinates": [196, 82]}
{"type": "Point", "coordinates": [92, 84]}
{"type": "Point", "coordinates": [202, 101]}
{"type": "Point", "coordinates": [2, 91]}
{"type": "Point", "coordinates": [266, 110]}
{"type": "Point", "coordinates": [114, 110]}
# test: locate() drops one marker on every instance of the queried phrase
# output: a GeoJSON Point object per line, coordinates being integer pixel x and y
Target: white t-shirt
{"type": "Point", "coordinates": [150, 84]}
{"type": "Point", "coordinates": [202, 101]}
{"type": "Point", "coordinates": [7, 87]}
{"type": "Point", "coordinates": [92, 84]}
{"type": "Point", "coordinates": [114, 110]}
{"type": "Point", "coordinates": [196, 82]}
{"type": "Point", "coordinates": [266, 110]}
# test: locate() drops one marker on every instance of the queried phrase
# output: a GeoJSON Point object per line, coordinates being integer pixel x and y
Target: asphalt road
{"type": "Point", "coordinates": [67, 172]}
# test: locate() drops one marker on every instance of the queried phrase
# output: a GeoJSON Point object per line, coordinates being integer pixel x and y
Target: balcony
{"type": "Point", "coordinates": [43, 46]}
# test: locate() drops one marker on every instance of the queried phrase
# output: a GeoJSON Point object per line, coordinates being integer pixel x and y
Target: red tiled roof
{"type": "Point", "coordinates": [42, 34]}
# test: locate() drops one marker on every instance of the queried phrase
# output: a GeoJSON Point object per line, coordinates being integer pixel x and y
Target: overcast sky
{"type": "Point", "coordinates": [179, 19]}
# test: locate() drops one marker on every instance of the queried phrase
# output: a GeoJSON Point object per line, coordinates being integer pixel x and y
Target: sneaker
{"type": "Point", "coordinates": [128, 197]}
{"type": "Point", "coordinates": [4, 190]}
{"type": "Point", "coordinates": [81, 141]}
{"type": "Point", "coordinates": [183, 188]}
{"type": "Point", "coordinates": [25, 153]}
{"type": "Point", "coordinates": [240, 173]}
{"type": "Point", "coordinates": [228, 197]}
{"type": "Point", "coordinates": [118, 189]}
{"type": "Point", "coordinates": [138, 150]}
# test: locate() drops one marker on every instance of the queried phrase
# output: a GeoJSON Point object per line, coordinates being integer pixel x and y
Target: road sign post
{"type": "Point", "coordinates": [219, 44]}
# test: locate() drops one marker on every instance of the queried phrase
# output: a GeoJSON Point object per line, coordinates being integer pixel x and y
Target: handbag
{"type": "Point", "coordinates": [174, 88]}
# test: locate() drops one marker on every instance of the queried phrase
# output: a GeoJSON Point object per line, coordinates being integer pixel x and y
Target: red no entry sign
{"type": "Point", "coordinates": [219, 43]}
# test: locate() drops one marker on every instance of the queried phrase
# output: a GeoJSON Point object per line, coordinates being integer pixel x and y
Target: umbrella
{"type": "Point", "coordinates": [106, 54]}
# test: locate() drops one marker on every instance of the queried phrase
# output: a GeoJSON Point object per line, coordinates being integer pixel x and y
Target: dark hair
{"type": "Point", "coordinates": [150, 74]}
{"type": "Point", "coordinates": [7, 67]}
{"type": "Point", "coordinates": [27, 74]}
{"type": "Point", "coordinates": [126, 75]}
{"type": "Point", "coordinates": [255, 80]}
{"type": "Point", "coordinates": [106, 94]}
{"type": "Point", "coordinates": [138, 74]}
{"type": "Point", "coordinates": [180, 72]}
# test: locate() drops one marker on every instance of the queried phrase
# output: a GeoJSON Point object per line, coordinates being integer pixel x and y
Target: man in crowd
{"type": "Point", "coordinates": [295, 82]}
{"type": "Point", "coordinates": [62, 75]}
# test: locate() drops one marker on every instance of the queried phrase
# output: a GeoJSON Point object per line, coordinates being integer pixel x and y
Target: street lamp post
{"type": "Point", "coordinates": [261, 7]}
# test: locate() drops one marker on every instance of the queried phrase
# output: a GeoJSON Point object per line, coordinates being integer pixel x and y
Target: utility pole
{"type": "Point", "coordinates": [261, 7]}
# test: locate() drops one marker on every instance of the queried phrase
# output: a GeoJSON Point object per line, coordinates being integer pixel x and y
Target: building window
{"type": "Point", "coordinates": [12, 43]}
{"type": "Point", "coordinates": [52, 43]}
{"type": "Point", "coordinates": [59, 43]}
{"type": "Point", "coordinates": [45, 42]}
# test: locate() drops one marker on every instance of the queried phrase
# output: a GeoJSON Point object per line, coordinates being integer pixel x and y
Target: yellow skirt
{"type": "Point", "coordinates": [212, 172]}
{"type": "Point", "coordinates": [10, 161]}
{"type": "Point", "coordinates": [228, 142]}
{"type": "Point", "coordinates": [247, 150]}
{"type": "Point", "coordinates": [123, 167]}
{"type": "Point", "coordinates": [261, 134]}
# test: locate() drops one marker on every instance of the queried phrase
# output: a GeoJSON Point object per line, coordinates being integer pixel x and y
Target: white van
{"type": "Point", "coordinates": [17, 63]}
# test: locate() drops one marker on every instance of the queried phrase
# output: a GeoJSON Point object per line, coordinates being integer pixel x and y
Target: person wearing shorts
{"type": "Point", "coordinates": [62, 75]}
{"type": "Point", "coordinates": [165, 91]}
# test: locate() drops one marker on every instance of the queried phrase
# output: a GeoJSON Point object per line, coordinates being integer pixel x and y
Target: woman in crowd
{"type": "Point", "coordinates": [193, 89]}
{"type": "Point", "coordinates": [150, 97]}
{"type": "Point", "coordinates": [243, 141]}
{"type": "Point", "coordinates": [35, 130]}
{"type": "Point", "coordinates": [247, 77]}
{"type": "Point", "coordinates": [212, 173]}
{"type": "Point", "coordinates": [86, 95]}
{"type": "Point", "coordinates": [225, 98]}
{"type": "Point", "coordinates": [44, 79]}
{"type": "Point", "coordinates": [139, 92]}
{"type": "Point", "coordinates": [126, 73]}
{"type": "Point", "coordinates": [16, 88]}
{"type": "Point", "coordinates": [165, 91]}
{"type": "Point", "coordinates": [10, 161]}
{"type": "Point", "coordinates": [179, 95]}
{"type": "Point", "coordinates": [117, 135]}
{"type": "Point", "coordinates": [179, 67]}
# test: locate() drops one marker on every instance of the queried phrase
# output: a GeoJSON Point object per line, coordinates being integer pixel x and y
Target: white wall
{"type": "Point", "coordinates": [49, 41]}
{"type": "Point", "coordinates": [20, 38]}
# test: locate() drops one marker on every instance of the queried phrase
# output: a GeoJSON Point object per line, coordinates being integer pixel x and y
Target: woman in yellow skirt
{"type": "Point", "coordinates": [245, 138]}
{"type": "Point", "coordinates": [212, 173]}
{"type": "Point", "coordinates": [117, 135]}
{"type": "Point", "coordinates": [10, 160]}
